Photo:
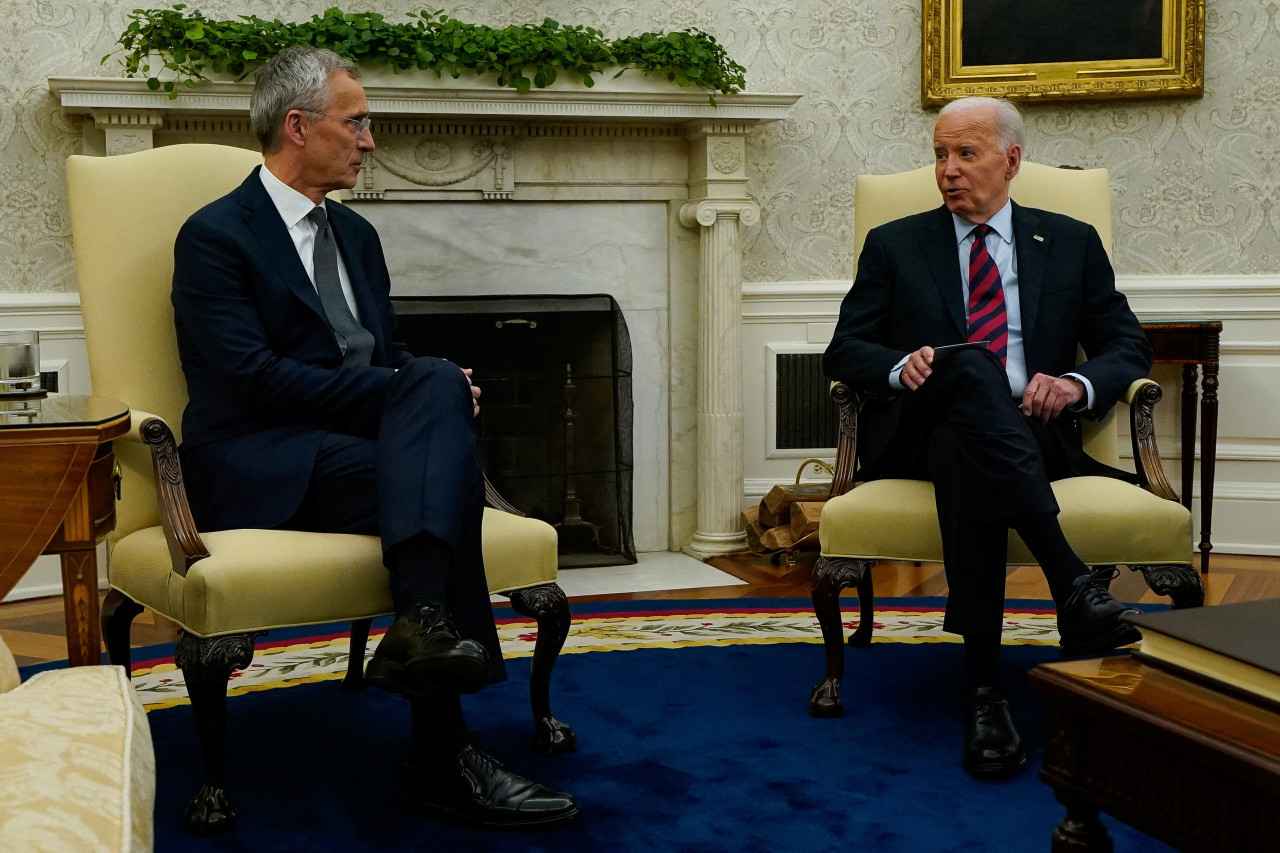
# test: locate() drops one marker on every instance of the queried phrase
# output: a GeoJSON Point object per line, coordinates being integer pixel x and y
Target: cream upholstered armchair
{"type": "Point", "coordinates": [1107, 521]}
{"type": "Point", "coordinates": [227, 587]}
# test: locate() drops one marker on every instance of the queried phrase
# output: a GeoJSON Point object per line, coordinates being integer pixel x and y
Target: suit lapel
{"type": "Point", "coordinates": [264, 222]}
{"type": "Point", "coordinates": [938, 247]}
{"type": "Point", "coordinates": [1033, 254]}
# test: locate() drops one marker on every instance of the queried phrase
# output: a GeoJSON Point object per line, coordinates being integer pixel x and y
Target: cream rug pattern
{"type": "Point", "coordinates": [285, 663]}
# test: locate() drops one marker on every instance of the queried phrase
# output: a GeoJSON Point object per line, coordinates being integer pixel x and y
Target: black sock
{"type": "Point", "coordinates": [419, 569]}
{"type": "Point", "coordinates": [439, 729]}
{"type": "Point", "coordinates": [982, 663]}
{"type": "Point", "coordinates": [1045, 541]}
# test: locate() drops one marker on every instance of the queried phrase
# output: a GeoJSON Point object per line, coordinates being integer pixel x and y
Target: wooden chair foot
{"type": "Point", "coordinates": [552, 737]}
{"type": "Point", "coordinates": [824, 699]}
{"type": "Point", "coordinates": [1181, 583]}
{"type": "Point", "coordinates": [209, 813]}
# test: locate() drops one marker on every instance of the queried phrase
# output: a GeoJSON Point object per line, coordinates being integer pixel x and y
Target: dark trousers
{"type": "Point", "coordinates": [989, 464]}
{"type": "Point", "coordinates": [408, 472]}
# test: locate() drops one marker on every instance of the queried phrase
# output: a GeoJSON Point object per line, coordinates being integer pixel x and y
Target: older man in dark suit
{"type": "Point", "coordinates": [307, 412]}
{"type": "Point", "coordinates": [993, 424]}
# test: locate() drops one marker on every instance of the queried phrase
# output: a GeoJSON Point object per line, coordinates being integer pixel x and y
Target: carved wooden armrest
{"type": "Point", "coordinates": [1142, 397]}
{"type": "Point", "coordinates": [497, 501]}
{"type": "Point", "coordinates": [847, 402]}
{"type": "Point", "coordinates": [185, 546]}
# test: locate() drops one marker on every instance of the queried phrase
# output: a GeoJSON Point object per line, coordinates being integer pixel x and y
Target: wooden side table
{"type": "Point", "coordinates": [1193, 343]}
{"type": "Point", "coordinates": [57, 496]}
{"type": "Point", "coordinates": [1182, 762]}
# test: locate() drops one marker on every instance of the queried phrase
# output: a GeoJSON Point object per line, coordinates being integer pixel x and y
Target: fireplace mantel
{"type": "Point", "coordinates": [630, 139]}
{"type": "Point", "coordinates": [629, 98]}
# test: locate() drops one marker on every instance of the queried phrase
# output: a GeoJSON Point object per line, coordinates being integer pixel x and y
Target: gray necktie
{"type": "Point", "coordinates": [354, 340]}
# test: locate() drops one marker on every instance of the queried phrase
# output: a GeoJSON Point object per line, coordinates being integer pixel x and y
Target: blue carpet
{"type": "Point", "coordinates": [691, 749]}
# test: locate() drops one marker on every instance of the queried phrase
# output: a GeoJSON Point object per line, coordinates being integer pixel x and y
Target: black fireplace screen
{"type": "Point", "coordinates": [554, 430]}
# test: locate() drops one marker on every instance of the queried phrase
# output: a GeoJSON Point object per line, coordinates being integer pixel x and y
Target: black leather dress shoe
{"type": "Point", "coordinates": [422, 653]}
{"type": "Point", "coordinates": [992, 748]}
{"type": "Point", "coordinates": [476, 788]}
{"type": "Point", "coordinates": [1089, 621]}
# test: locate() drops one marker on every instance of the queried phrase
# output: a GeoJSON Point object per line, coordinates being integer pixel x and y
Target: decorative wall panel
{"type": "Point", "coordinates": [1197, 182]}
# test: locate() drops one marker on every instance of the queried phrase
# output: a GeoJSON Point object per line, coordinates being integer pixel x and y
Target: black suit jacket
{"type": "Point", "coordinates": [908, 293]}
{"type": "Point", "coordinates": [265, 379]}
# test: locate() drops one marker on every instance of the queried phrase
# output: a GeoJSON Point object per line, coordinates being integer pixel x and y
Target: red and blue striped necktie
{"type": "Point", "coordinates": [988, 320]}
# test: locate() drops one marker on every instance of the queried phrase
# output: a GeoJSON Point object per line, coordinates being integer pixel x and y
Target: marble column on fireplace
{"type": "Point", "coordinates": [718, 205]}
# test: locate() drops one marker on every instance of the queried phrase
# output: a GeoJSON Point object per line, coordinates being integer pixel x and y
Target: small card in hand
{"type": "Point", "coordinates": [940, 354]}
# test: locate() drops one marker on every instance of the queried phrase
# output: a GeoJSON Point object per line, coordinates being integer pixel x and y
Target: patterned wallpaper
{"type": "Point", "coordinates": [1197, 182]}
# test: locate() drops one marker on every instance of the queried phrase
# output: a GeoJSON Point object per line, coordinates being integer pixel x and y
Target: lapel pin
{"type": "Point", "coordinates": [1037, 238]}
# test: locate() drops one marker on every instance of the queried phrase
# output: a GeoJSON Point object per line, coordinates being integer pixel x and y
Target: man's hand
{"type": "Point", "coordinates": [917, 368]}
{"type": "Point", "coordinates": [1047, 396]}
{"type": "Point", "coordinates": [475, 392]}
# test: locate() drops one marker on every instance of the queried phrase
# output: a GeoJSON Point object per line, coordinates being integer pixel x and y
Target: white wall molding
{"type": "Point", "coordinates": [53, 315]}
{"type": "Point", "coordinates": [1220, 297]}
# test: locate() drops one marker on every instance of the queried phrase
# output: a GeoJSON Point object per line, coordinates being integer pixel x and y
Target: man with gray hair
{"type": "Point", "coordinates": [307, 412]}
{"type": "Point", "coordinates": [997, 420]}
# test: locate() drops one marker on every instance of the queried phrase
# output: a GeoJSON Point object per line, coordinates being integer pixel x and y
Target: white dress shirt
{"type": "Point", "coordinates": [293, 208]}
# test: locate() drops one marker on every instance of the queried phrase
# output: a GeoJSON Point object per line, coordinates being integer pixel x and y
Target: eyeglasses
{"type": "Point", "coordinates": [362, 124]}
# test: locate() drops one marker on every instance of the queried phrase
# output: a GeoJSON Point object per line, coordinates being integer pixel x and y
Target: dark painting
{"type": "Point", "coordinates": [1021, 32]}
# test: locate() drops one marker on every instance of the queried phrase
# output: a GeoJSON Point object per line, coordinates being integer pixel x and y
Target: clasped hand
{"type": "Point", "coordinates": [475, 393]}
{"type": "Point", "coordinates": [1045, 396]}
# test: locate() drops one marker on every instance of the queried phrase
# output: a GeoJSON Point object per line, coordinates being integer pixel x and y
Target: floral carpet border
{"type": "Point", "coordinates": [286, 663]}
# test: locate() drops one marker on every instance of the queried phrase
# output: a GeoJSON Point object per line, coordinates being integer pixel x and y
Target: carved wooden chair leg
{"type": "Point", "coordinates": [861, 636]}
{"type": "Point", "coordinates": [1181, 583]}
{"type": "Point", "coordinates": [118, 612]}
{"type": "Point", "coordinates": [354, 679]}
{"type": "Point", "coordinates": [546, 603]}
{"type": "Point", "coordinates": [207, 664]}
{"type": "Point", "coordinates": [830, 575]}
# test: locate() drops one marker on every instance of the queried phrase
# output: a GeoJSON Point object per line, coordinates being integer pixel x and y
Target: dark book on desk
{"type": "Point", "coordinates": [1231, 645]}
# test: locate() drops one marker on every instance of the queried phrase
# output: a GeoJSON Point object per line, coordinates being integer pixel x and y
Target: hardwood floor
{"type": "Point", "coordinates": [34, 630]}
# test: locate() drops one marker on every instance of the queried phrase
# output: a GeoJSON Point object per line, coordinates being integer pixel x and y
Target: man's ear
{"type": "Point", "coordinates": [1013, 161]}
{"type": "Point", "coordinates": [295, 128]}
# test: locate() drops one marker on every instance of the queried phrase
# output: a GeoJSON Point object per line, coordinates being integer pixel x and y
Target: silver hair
{"type": "Point", "coordinates": [1009, 127]}
{"type": "Point", "coordinates": [296, 79]}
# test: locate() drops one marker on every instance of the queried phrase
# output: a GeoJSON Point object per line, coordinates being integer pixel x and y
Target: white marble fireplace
{"type": "Point", "coordinates": [634, 188]}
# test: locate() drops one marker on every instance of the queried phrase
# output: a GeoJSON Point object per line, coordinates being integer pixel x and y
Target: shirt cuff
{"type": "Point", "coordinates": [1087, 403]}
{"type": "Point", "coordinates": [895, 375]}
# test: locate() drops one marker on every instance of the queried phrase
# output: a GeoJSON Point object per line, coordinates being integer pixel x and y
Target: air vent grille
{"type": "Point", "coordinates": [806, 417]}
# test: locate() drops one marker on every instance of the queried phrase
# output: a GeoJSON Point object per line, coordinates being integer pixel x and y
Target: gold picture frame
{"type": "Point", "coordinates": [1059, 50]}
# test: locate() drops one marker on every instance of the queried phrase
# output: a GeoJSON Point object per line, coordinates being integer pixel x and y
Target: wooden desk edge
{"type": "Point", "coordinates": [1256, 744]}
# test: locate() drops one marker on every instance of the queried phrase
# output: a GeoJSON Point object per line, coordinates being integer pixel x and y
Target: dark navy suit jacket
{"type": "Point", "coordinates": [262, 366]}
{"type": "Point", "coordinates": [908, 293]}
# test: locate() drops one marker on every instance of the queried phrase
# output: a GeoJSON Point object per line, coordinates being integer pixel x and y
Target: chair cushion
{"type": "Point", "coordinates": [255, 580]}
{"type": "Point", "coordinates": [1107, 521]}
{"type": "Point", "coordinates": [77, 764]}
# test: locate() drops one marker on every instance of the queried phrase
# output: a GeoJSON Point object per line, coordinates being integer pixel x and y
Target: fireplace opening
{"type": "Point", "coordinates": [554, 429]}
